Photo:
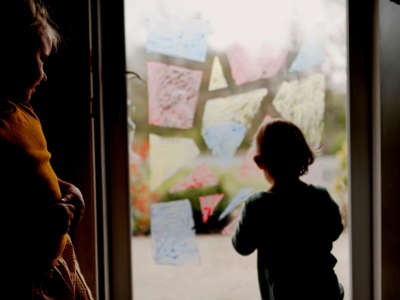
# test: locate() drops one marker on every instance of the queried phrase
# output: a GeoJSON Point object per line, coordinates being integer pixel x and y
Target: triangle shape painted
{"type": "Point", "coordinates": [241, 196]}
{"type": "Point", "coordinates": [217, 79]}
{"type": "Point", "coordinates": [240, 108]}
{"type": "Point", "coordinates": [208, 204]}
{"type": "Point", "coordinates": [224, 139]}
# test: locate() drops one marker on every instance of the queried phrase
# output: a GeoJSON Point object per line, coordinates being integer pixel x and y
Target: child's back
{"type": "Point", "coordinates": [293, 229]}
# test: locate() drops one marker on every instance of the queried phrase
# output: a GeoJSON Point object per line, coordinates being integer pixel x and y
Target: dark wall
{"type": "Point", "coordinates": [62, 104]}
{"type": "Point", "coordinates": [390, 140]}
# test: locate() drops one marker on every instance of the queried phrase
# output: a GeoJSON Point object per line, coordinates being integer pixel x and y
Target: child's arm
{"type": "Point", "coordinates": [334, 220]}
{"type": "Point", "coordinates": [244, 239]}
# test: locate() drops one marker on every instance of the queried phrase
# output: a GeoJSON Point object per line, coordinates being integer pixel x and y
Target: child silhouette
{"type": "Point", "coordinates": [293, 225]}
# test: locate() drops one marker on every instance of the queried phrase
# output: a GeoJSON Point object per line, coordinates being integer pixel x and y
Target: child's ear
{"type": "Point", "coordinates": [259, 162]}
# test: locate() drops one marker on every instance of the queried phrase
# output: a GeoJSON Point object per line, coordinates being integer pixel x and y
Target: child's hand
{"type": "Point", "coordinates": [71, 195]}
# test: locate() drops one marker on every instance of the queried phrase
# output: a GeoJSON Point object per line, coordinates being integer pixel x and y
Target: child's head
{"type": "Point", "coordinates": [282, 151]}
{"type": "Point", "coordinates": [28, 36]}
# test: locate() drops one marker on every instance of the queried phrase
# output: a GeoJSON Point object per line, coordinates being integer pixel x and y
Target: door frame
{"type": "Point", "coordinates": [109, 82]}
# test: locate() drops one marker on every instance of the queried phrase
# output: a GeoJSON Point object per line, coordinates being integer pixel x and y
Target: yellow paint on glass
{"type": "Point", "coordinates": [168, 155]}
{"type": "Point", "coordinates": [217, 80]}
{"type": "Point", "coordinates": [239, 108]}
{"type": "Point", "coordinates": [303, 103]}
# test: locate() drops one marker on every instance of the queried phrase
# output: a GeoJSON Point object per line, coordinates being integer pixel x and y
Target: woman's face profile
{"type": "Point", "coordinates": [34, 69]}
{"type": "Point", "coordinates": [24, 69]}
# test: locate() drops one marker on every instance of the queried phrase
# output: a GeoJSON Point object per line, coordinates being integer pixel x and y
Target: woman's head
{"type": "Point", "coordinates": [282, 151]}
{"type": "Point", "coordinates": [38, 25]}
{"type": "Point", "coordinates": [28, 37]}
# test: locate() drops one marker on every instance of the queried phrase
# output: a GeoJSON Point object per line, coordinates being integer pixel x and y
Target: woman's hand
{"type": "Point", "coordinates": [49, 231]}
{"type": "Point", "coordinates": [71, 195]}
{"type": "Point", "coordinates": [59, 217]}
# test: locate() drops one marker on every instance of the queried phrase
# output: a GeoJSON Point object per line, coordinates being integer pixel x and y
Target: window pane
{"type": "Point", "coordinates": [205, 75]}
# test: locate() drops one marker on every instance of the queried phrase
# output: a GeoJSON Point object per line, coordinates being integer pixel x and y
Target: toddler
{"type": "Point", "coordinates": [293, 224]}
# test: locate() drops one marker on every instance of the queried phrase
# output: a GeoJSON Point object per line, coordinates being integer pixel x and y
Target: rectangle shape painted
{"type": "Point", "coordinates": [186, 39]}
{"type": "Point", "coordinates": [172, 232]}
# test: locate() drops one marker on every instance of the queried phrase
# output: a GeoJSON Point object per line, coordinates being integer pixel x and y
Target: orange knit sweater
{"type": "Point", "coordinates": [31, 180]}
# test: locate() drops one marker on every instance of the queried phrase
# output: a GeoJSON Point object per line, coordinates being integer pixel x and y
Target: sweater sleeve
{"type": "Point", "coordinates": [244, 239]}
{"type": "Point", "coordinates": [335, 224]}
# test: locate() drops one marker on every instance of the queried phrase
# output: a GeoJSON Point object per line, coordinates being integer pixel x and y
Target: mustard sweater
{"type": "Point", "coordinates": [31, 181]}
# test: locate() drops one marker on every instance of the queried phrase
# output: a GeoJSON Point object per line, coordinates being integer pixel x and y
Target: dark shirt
{"type": "Point", "coordinates": [293, 228]}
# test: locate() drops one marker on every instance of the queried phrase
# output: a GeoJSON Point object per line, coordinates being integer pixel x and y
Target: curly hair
{"type": "Point", "coordinates": [283, 150]}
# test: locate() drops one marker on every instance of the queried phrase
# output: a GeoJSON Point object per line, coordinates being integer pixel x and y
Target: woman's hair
{"type": "Point", "coordinates": [26, 23]}
{"type": "Point", "coordinates": [37, 22]}
{"type": "Point", "coordinates": [283, 150]}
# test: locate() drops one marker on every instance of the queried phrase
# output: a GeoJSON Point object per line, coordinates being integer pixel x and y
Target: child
{"type": "Point", "coordinates": [292, 225]}
{"type": "Point", "coordinates": [42, 207]}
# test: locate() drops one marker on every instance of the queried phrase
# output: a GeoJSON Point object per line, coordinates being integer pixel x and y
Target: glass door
{"type": "Point", "coordinates": [203, 76]}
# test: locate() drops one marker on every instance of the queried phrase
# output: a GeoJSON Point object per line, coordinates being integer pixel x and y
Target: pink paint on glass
{"type": "Point", "coordinates": [230, 228]}
{"type": "Point", "coordinates": [201, 177]}
{"type": "Point", "coordinates": [208, 204]}
{"type": "Point", "coordinates": [173, 94]}
{"type": "Point", "coordinates": [246, 67]}
{"type": "Point", "coordinates": [248, 167]}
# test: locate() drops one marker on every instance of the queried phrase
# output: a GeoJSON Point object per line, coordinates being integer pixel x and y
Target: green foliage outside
{"type": "Point", "coordinates": [341, 182]}
{"type": "Point", "coordinates": [335, 123]}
